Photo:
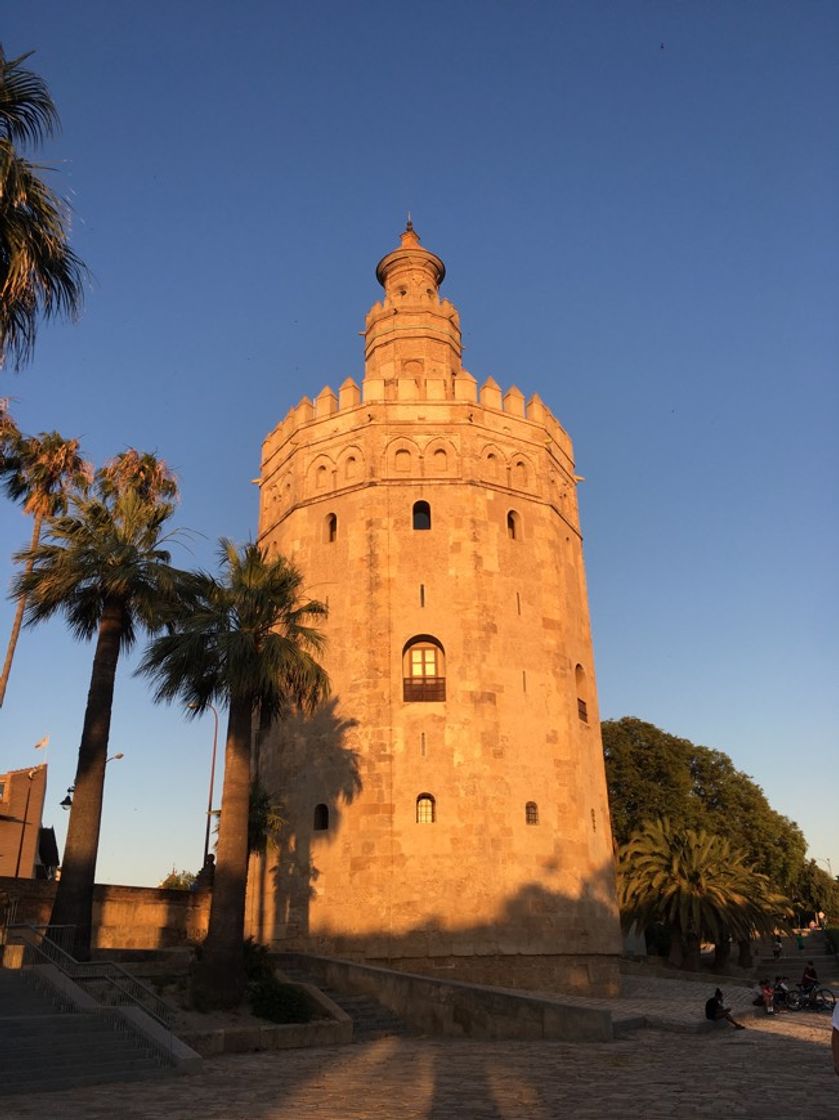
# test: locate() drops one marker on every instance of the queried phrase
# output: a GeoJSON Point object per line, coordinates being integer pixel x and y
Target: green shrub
{"type": "Point", "coordinates": [257, 964]}
{"type": "Point", "coordinates": [278, 1002]}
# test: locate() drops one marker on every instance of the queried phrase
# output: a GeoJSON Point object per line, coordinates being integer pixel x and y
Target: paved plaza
{"type": "Point", "coordinates": [779, 1068]}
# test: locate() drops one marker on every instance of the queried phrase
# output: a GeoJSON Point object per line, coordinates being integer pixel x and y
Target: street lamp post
{"type": "Point", "coordinates": [194, 707]}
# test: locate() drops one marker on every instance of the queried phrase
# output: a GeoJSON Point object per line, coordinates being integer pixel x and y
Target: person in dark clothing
{"type": "Point", "coordinates": [715, 1010]}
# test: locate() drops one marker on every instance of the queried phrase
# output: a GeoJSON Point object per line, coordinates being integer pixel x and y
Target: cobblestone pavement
{"type": "Point", "coordinates": [779, 1068]}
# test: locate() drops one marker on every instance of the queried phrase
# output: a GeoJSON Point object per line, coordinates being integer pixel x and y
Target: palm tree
{"type": "Point", "coordinates": [696, 884]}
{"type": "Point", "coordinates": [241, 641]}
{"type": "Point", "coordinates": [39, 272]}
{"type": "Point", "coordinates": [39, 471]}
{"type": "Point", "coordinates": [103, 567]}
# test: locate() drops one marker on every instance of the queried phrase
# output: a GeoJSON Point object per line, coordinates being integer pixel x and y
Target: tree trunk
{"type": "Point", "coordinates": [691, 952]}
{"type": "Point", "coordinates": [74, 896]}
{"type": "Point", "coordinates": [19, 612]}
{"type": "Point", "coordinates": [744, 954]}
{"type": "Point", "coordinates": [219, 977]}
{"type": "Point", "coordinates": [722, 953]}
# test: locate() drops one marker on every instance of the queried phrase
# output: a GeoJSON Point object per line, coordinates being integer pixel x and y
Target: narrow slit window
{"type": "Point", "coordinates": [582, 693]}
{"type": "Point", "coordinates": [531, 813]}
{"type": "Point", "coordinates": [524, 680]}
{"type": "Point", "coordinates": [422, 515]}
{"type": "Point", "coordinates": [513, 526]}
{"type": "Point", "coordinates": [518, 602]}
{"type": "Point", "coordinates": [331, 528]}
{"type": "Point", "coordinates": [321, 818]}
{"type": "Point", "coordinates": [593, 821]}
{"type": "Point", "coordinates": [426, 809]}
{"type": "Point", "coordinates": [422, 594]}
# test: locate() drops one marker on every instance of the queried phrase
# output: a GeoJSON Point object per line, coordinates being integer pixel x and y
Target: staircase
{"type": "Point", "coordinates": [371, 1019]}
{"type": "Point", "coordinates": [43, 1048]}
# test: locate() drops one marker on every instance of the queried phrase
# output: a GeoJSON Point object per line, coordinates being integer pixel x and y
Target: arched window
{"type": "Point", "coordinates": [321, 477]}
{"type": "Point", "coordinates": [440, 461]}
{"type": "Point", "coordinates": [423, 669]}
{"type": "Point", "coordinates": [531, 813]}
{"type": "Point", "coordinates": [582, 693]}
{"type": "Point", "coordinates": [321, 818]}
{"type": "Point", "coordinates": [331, 528]}
{"type": "Point", "coordinates": [492, 465]}
{"type": "Point", "coordinates": [520, 474]}
{"type": "Point", "coordinates": [426, 809]}
{"type": "Point", "coordinates": [513, 526]}
{"type": "Point", "coordinates": [351, 468]}
{"type": "Point", "coordinates": [422, 515]}
{"type": "Point", "coordinates": [402, 460]}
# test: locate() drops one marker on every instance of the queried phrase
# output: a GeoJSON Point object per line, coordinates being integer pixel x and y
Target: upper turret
{"type": "Point", "coordinates": [412, 333]}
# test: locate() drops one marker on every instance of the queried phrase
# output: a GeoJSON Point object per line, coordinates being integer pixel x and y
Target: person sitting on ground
{"type": "Point", "coordinates": [767, 993]}
{"type": "Point", "coordinates": [715, 1010]}
{"type": "Point", "coordinates": [810, 978]}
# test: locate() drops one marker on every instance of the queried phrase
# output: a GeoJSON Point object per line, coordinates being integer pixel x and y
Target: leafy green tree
{"type": "Point", "coordinates": [40, 472]}
{"type": "Point", "coordinates": [178, 881]}
{"type": "Point", "coordinates": [242, 641]}
{"type": "Point", "coordinates": [652, 774]}
{"type": "Point", "coordinates": [814, 890]}
{"type": "Point", "coordinates": [102, 566]}
{"type": "Point", "coordinates": [40, 275]}
{"type": "Point", "coordinates": [697, 885]}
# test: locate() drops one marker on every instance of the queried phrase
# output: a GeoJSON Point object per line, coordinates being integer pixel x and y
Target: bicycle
{"type": "Point", "coordinates": [811, 999]}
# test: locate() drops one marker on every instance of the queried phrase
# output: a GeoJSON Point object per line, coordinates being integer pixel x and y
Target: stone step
{"type": "Point", "coordinates": [43, 1049]}
{"type": "Point", "coordinates": [371, 1019]}
{"type": "Point", "coordinates": [50, 1083]}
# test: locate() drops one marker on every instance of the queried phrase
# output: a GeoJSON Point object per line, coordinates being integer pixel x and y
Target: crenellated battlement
{"type": "Point", "coordinates": [441, 395]}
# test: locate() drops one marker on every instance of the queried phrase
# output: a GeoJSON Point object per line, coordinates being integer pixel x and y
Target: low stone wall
{"type": "Point", "coordinates": [450, 1008]}
{"type": "Point", "coordinates": [123, 917]}
{"type": "Point", "coordinates": [593, 974]}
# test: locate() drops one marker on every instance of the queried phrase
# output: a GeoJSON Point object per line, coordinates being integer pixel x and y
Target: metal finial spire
{"type": "Point", "coordinates": [410, 224]}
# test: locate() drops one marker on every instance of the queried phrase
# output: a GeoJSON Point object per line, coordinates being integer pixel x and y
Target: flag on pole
{"type": "Point", "coordinates": [42, 743]}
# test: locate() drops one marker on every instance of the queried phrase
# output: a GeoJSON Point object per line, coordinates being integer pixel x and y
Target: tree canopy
{"type": "Point", "coordinates": [651, 774]}
{"type": "Point", "coordinates": [40, 275]}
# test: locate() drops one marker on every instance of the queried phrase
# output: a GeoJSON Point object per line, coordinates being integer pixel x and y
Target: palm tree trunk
{"type": "Point", "coordinates": [744, 953]}
{"type": "Point", "coordinates": [74, 897]}
{"type": "Point", "coordinates": [219, 978]}
{"type": "Point", "coordinates": [21, 607]}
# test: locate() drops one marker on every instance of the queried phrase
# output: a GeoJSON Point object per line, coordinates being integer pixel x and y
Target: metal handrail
{"type": "Point", "coordinates": [121, 982]}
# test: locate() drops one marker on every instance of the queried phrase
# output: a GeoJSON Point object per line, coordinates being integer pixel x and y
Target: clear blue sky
{"type": "Point", "coordinates": [647, 237]}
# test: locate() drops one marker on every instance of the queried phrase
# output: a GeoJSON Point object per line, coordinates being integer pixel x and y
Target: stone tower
{"type": "Point", "coordinates": [447, 811]}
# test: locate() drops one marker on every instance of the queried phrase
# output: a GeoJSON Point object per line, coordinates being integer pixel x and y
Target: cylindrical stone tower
{"type": "Point", "coordinates": [447, 811]}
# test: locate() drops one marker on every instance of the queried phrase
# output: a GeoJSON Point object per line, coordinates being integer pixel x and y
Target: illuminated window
{"type": "Point", "coordinates": [531, 813]}
{"type": "Point", "coordinates": [422, 515]}
{"type": "Point", "coordinates": [331, 528]}
{"type": "Point", "coordinates": [426, 809]}
{"type": "Point", "coordinates": [423, 669]}
{"type": "Point", "coordinates": [321, 819]}
{"type": "Point", "coordinates": [513, 526]}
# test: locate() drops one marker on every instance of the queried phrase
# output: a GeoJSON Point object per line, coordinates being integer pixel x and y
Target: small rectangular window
{"type": "Point", "coordinates": [422, 594]}
{"type": "Point", "coordinates": [582, 709]}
